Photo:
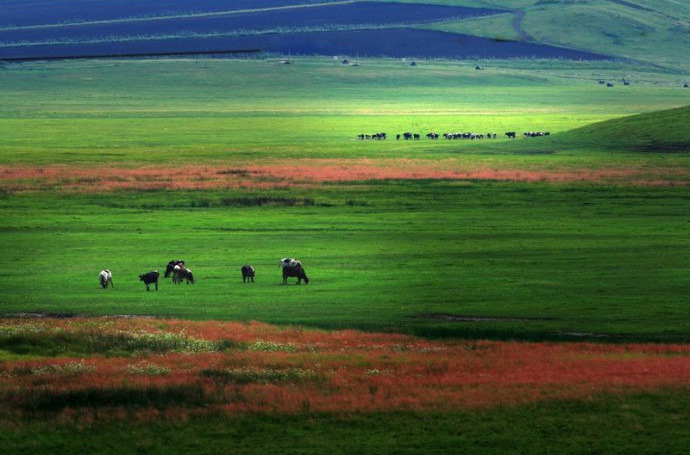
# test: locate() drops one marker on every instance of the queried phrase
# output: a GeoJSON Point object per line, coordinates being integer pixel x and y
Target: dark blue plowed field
{"type": "Point", "coordinates": [36, 12]}
{"type": "Point", "coordinates": [394, 42]}
{"type": "Point", "coordinates": [352, 29]}
{"type": "Point", "coordinates": [295, 18]}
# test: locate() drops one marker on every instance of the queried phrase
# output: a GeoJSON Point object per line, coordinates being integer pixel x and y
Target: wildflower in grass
{"type": "Point", "coordinates": [148, 369]}
{"type": "Point", "coordinates": [64, 369]}
{"type": "Point", "coordinates": [261, 345]}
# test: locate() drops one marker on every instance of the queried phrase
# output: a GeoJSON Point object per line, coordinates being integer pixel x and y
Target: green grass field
{"type": "Point", "coordinates": [610, 425]}
{"type": "Point", "coordinates": [578, 259]}
{"type": "Point", "coordinates": [603, 260]}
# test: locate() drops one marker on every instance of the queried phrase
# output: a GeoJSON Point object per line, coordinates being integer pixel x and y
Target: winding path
{"type": "Point", "coordinates": [517, 26]}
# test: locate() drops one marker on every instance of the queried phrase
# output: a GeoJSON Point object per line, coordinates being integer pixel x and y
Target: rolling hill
{"type": "Point", "coordinates": [661, 131]}
{"type": "Point", "coordinates": [655, 32]}
{"type": "Point", "coordinates": [652, 132]}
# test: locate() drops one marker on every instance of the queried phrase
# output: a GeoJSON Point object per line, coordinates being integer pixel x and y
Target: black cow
{"type": "Point", "coordinates": [171, 267]}
{"type": "Point", "coordinates": [150, 278]}
{"type": "Point", "coordinates": [511, 134]}
{"type": "Point", "coordinates": [247, 273]}
{"type": "Point", "coordinates": [295, 271]}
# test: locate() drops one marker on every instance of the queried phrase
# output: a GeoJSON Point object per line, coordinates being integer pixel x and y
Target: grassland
{"type": "Point", "coordinates": [581, 236]}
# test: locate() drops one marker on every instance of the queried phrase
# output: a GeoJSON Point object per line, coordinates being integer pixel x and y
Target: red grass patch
{"type": "Point", "coordinates": [273, 369]}
{"type": "Point", "coordinates": [307, 172]}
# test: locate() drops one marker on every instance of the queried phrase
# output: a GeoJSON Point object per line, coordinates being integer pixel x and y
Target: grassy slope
{"type": "Point", "coordinates": [661, 132]}
{"type": "Point", "coordinates": [642, 33]}
{"type": "Point", "coordinates": [664, 131]}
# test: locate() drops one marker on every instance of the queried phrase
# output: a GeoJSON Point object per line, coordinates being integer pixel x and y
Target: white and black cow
{"type": "Point", "coordinates": [106, 277]}
{"type": "Point", "coordinates": [181, 273]}
{"type": "Point", "coordinates": [150, 278]}
{"type": "Point", "coordinates": [290, 262]}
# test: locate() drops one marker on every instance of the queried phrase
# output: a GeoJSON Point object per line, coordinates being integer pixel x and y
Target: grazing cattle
{"type": "Point", "coordinates": [511, 134]}
{"type": "Point", "coordinates": [407, 136]}
{"type": "Point", "coordinates": [432, 135]}
{"type": "Point", "coordinates": [106, 277]}
{"type": "Point", "coordinates": [536, 133]}
{"type": "Point", "coordinates": [601, 81]}
{"type": "Point", "coordinates": [180, 274]}
{"type": "Point", "coordinates": [171, 266]}
{"type": "Point", "coordinates": [609, 84]}
{"type": "Point", "coordinates": [295, 271]}
{"type": "Point", "coordinates": [685, 85]}
{"type": "Point", "coordinates": [290, 262]}
{"type": "Point", "coordinates": [416, 136]}
{"type": "Point", "coordinates": [150, 278]}
{"type": "Point", "coordinates": [247, 273]}
{"type": "Point", "coordinates": [377, 136]}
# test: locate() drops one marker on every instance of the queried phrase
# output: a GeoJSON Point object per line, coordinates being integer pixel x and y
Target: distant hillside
{"type": "Point", "coordinates": [664, 131]}
{"type": "Point", "coordinates": [653, 31]}
{"type": "Point", "coordinates": [656, 32]}
{"type": "Point", "coordinates": [76, 28]}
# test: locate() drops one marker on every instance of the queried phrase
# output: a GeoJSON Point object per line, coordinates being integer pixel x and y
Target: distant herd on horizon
{"type": "Point", "coordinates": [450, 136]}
{"type": "Point", "coordinates": [179, 272]}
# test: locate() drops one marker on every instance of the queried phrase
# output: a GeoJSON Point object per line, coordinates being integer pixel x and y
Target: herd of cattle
{"type": "Point", "coordinates": [180, 273]}
{"type": "Point", "coordinates": [450, 136]}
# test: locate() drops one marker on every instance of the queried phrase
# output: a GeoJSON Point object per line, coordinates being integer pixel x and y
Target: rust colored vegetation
{"type": "Point", "coordinates": [82, 369]}
{"type": "Point", "coordinates": [306, 172]}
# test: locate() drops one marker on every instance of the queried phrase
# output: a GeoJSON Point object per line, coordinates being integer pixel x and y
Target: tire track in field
{"type": "Point", "coordinates": [517, 26]}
